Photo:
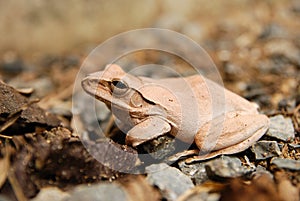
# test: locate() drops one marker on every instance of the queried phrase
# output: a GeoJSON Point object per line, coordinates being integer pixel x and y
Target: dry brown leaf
{"type": "Point", "coordinates": [138, 188]}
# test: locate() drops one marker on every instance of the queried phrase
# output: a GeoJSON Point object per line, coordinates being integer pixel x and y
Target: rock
{"type": "Point", "coordinates": [98, 192]}
{"type": "Point", "coordinates": [224, 168]}
{"type": "Point", "coordinates": [282, 49]}
{"type": "Point", "coordinates": [71, 60]}
{"type": "Point", "coordinates": [286, 163]}
{"type": "Point", "coordinates": [62, 110]}
{"type": "Point", "coordinates": [257, 93]}
{"type": "Point", "coordinates": [281, 128]}
{"type": "Point", "coordinates": [265, 149]}
{"type": "Point", "coordinates": [160, 147]}
{"type": "Point", "coordinates": [4, 198]}
{"type": "Point", "coordinates": [272, 30]}
{"type": "Point", "coordinates": [171, 182]}
{"type": "Point", "coordinates": [260, 171]}
{"type": "Point", "coordinates": [196, 171]}
{"type": "Point", "coordinates": [11, 63]}
{"type": "Point", "coordinates": [51, 193]}
{"type": "Point", "coordinates": [294, 146]}
{"type": "Point", "coordinates": [99, 108]}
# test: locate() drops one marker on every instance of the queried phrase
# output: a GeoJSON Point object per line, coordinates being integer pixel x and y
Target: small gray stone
{"type": "Point", "coordinates": [196, 171]}
{"type": "Point", "coordinates": [281, 128]}
{"type": "Point", "coordinates": [171, 182]}
{"type": "Point", "coordinates": [98, 192]}
{"type": "Point", "coordinates": [260, 170]}
{"type": "Point", "coordinates": [4, 198]}
{"type": "Point", "coordinates": [265, 149]}
{"type": "Point", "coordinates": [286, 163]}
{"type": "Point", "coordinates": [51, 193]}
{"type": "Point", "coordinates": [161, 147]}
{"type": "Point", "coordinates": [294, 146]}
{"type": "Point", "coordinates": [225, 167]}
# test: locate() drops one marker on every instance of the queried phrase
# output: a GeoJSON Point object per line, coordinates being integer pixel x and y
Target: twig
{"type": "Point", "coordinates": [6, 136]}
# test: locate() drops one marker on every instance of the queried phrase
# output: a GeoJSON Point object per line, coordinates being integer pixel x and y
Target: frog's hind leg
{"type": "Point", "coordinates": [229, 134]}
{"type": "Point", "coordinates": [229, 150]}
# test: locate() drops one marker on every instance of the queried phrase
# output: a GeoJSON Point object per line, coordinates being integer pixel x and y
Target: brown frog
{"type": "Point", "coordinates": [193, 109]}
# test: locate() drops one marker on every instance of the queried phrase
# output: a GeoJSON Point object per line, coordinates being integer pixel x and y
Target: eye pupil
{"type": "Point", "coordinates": [119, 85]}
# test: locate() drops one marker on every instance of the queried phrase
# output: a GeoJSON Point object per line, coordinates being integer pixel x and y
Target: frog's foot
{"type": "Point", "coordinates": [148, 129]}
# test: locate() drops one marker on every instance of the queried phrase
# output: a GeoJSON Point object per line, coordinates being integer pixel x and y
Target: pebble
{"type": "Point", "coordinates": [272, 30]}
{"type": "Point", "coordinates": [284, 48]}
{"type": "Point", "coordinates": [81, 103]}
{"type": "Point", "coordinates": [281, 128]}
{"type": "Point", "coordinates": [225, 167]}
{"type": "Point", "coordinates": [286, 163]}
{"type": "Point", "coordinates": [51, 193]}
{"type": "Point", "coordinates": [196, 171]}
{"type": "Point", "coordinates": [265, 149]}
{"type": "Point", "coordinates": [260, 170]}
{"type": "Point", "coordinates": [171, 182]}
{"type": "Point", "coordinates": [63, 109]}
{"type": "Point", "coordinates": [4, 198]}
{"type": "Point", "coordinates": [294, 146]}
{"type": "Point", "coordinates": [161, 147]}
{"type": "Point", "coordinates": [98, 192]}
{"type": "Point", "coordinates": [11, 63]}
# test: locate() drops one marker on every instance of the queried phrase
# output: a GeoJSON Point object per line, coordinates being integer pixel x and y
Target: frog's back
{"type": "Point", "coordinates": [221, 98]}
{"type": "Point", "coordinates": [210, 96]}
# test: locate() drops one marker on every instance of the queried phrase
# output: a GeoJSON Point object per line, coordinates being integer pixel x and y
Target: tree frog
{"type": "Point", "coordinates": [193, 109]}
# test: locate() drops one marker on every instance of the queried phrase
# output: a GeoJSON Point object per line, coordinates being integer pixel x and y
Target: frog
{"type": "Point", "coordinates": [193, 109]}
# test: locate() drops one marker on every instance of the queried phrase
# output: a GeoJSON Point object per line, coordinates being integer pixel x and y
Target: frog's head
{"type": "Point", "coordinates": [117, 89]}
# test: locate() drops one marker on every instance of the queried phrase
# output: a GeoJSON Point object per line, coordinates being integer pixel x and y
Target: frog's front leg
{"type": "Point", "coordinates": [229, 134]}
{"type": "Point", "coordinates": [148, 129]}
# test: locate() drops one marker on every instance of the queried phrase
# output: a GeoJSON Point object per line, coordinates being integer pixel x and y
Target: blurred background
{"type": "Point", "coordinates": [244, 37]}
{"type": "Point", "coordinates": [56, 26]}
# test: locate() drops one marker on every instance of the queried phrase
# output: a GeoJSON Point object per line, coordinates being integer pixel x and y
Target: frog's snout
{"type": "Point", "coordinates": [93, 76]}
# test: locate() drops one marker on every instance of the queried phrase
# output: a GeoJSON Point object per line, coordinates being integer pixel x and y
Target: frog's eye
{"type": "Point", "coordinates": [119, 87]}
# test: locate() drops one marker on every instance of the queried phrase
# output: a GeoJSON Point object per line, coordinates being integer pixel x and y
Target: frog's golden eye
{"type": "Point", "coordinates": [119, 87]}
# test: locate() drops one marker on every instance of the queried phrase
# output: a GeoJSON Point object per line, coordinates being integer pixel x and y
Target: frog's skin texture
{"type": "Point", "coordinates": [193, 109]}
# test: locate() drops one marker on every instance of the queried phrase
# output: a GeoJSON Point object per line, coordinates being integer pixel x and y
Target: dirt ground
{"type": "Point", "coordinates": [254, 44]}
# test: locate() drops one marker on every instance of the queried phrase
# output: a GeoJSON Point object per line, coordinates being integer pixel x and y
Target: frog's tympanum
{"type": "Point", "coordinates": [193, 109]}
